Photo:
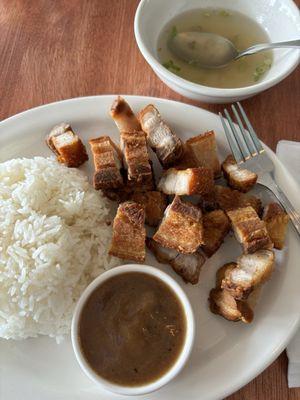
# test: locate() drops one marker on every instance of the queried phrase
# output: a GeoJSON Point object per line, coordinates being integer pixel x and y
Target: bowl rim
{"type": "Point", "coordinates": [209, 90]}
{"type": "Point", "coordinates": [186, 349]}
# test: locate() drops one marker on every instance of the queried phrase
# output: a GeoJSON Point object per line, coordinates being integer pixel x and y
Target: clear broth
{"type": "Point", "coordinates": [240, 29]}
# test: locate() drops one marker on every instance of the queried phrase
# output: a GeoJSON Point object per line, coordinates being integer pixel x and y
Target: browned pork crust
{"type": "Point", "coordinates": [164, 142]}
{"type": "Point", "coordinates": [128, 241]}
{"type": "Point", "coordinates": [66, 145]}
{"type": "Point", "coordinates": [108, 162]}
{"type": "Point", "coordinates": [276, 220]}
{"type": "Point", "coordinates": [237, 177]}
{"type": "Point", "coordinates": [181, 228]}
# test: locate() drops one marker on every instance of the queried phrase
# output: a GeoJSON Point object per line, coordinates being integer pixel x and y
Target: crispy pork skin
{"type": "Point", "coordinates": [237, 177]}
{"type": "Point", "coordinates": [249, 229]}
{"type": "Point", "coordinates": [107, 162]}
{"type": "Point", "coordinates": [181, 228]}
{"type": "Point", "coordinates": [66, 145]}
{"type": "Point", "coordinates": [164, 142]}
{"type": "Point", "coordinates": [129, 234]}
{"type": "Point", "coordinates": [276, 220]}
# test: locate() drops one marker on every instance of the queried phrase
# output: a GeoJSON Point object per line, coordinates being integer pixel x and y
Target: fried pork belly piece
{"type": "Point", "coordinates": [238, 178]}
{"type": "Point", "coordinates": [276, 220]}
{"type": "Point", "coordinates": [222, 302]}
{"type": "Point", "coordinates": [203, 149]}
{"type": "Point", "coordinates": [228, 199]}
{"type": "Point", "coordinates": [155, 204]}
{"type": "Point", "coordinates": [181, 228]}
{"type": "Point", "coordinates": [164, 142]}
{"type": "Point", "coordinates": [66, 145]}
{"type": "Point", "coordinates": [216, 225]}
{"type": "Point", "coordinates": [107, 162]}
{"type": "Point", "coordinates": [137, 161]}
{"type": "Point", "coordinates": [250, 271]}
{"type": "Point", "coordinates": [129, 234]}
{"type": "Point", "coordinates": [188, 266]}
{"type": "Point", "coordinates": [187, 182]}
{"type": "Point", "coordinates": [123, 116]}
{"type": "Point", "coordinates": [249, 229]}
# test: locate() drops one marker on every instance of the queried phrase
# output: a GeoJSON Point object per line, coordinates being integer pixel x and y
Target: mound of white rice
{"type": "Point", "coordinates": [53, 242]}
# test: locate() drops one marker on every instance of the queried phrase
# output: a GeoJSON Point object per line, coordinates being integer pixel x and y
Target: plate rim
{"type": "Point", "coordinates": [252, 374]}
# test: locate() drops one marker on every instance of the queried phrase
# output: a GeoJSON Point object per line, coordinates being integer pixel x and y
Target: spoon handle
{"type": "Point", "coordinates": [266, 46]}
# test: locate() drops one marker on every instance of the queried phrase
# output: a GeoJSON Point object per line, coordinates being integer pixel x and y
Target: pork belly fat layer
{"type": "Point", "coordinates": [216, 225]}
{"type": "Point", "coordinates": [137, 160]}
{"type": "Point", "coordinates": [181, 228]}
{"type": "Point", "coordinates": [123, 116]}
{"type": "Point", "coordinates": [128, 241]}
{"type": "Point", "coordinates": [251, 271]}
{"type": "Point", "coordinates": [164, 142]}
{"type": "Point", "coordinates": [155, 204]}
{"type": "Point", "coordinates": [108, 162]}
{"type": "Point", "coordinates": [66, 145]}
{"type": "Point", "coordinates": [237, 177]}
{"type": "Point", "coordinates": [276, 220]}
{"type": "Point", "coordinates": [188, 266]}
{"type": "Point", "coordinates": [203, 149]}
{"type": "Point", "coordinates": [187, 182]}
{"type": "Point", "coordinates": [249, 229]}
{"type": "Point", "coordinates": [222, 301]}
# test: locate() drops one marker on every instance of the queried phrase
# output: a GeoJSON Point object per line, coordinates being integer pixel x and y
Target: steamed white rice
{"type": "Point", "coordinates": [53, 241]}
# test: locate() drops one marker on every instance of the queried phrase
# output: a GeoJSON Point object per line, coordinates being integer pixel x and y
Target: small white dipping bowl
{"type": "Point", "coordinates": [186, 349]}
{"type": "Point", "coordinates": [279, 18]}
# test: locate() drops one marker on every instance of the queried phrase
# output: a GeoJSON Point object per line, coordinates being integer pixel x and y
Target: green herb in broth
{"type": "Point", "coordinates": [261, 69]}
{"type": "Point", "coordinates": [225, 13]}
{"type": "Point", "coordinates": [171, 66]}
{"type": "Point", "coordinates": [173, 32]}
{"type": "Point", "coordinates": [238, 28]}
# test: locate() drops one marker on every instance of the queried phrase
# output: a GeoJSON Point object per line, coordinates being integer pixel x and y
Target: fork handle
{"type": "Point", "coordinates": [284, 201]}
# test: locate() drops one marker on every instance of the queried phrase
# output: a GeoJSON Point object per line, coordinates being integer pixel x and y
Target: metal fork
{"type": "Point", "coordinates": [247, 150]}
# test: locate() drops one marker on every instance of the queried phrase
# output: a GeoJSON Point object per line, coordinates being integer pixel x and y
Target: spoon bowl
{"type": "Point", "coordinates": [205, 50]}
{"type": "Point", "coordinates": [208, 50]}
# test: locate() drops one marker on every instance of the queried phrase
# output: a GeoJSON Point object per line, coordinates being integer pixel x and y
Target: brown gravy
{"type": "Point", "coordinates": [132, 329]}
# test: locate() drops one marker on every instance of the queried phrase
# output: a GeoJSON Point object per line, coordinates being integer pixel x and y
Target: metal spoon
{"type": "Point", "coordinates": [208, 50]}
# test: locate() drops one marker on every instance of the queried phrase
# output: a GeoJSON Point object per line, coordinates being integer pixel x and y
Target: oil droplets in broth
{"type": "Point", "coordinates": [240, 29]}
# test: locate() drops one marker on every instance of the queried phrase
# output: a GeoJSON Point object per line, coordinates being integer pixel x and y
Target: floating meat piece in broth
{"type": "Point", "coordinates": [66, 145]}
{"type": "Point", "coordinates": [181, 228]}
{"type": "Point", "coordinates": [164, 142]}
{"type": "Point", "coordinates": [189, 181]}
{"type": "Point", "coordinates": [129, 234]}
{"type": "Point", "coordinates": [108, 163]}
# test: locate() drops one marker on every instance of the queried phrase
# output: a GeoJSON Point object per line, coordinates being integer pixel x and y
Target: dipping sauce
{"type": "Point", "coordinates": [240, 29]}
{"type": "Point", "coordinates": [132, 329]}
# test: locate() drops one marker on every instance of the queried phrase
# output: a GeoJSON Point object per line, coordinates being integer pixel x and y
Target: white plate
{"type": "Point", "coordinates": [226, 355]}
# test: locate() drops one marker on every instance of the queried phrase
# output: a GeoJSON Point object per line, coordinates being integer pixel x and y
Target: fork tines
{"type": "Point", "coordinates": [244, 143]}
